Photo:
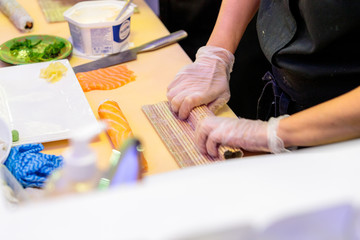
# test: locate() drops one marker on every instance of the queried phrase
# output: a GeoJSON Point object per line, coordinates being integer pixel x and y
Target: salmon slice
{"type": "Point", "coordinates": [118, 128]}
{"type": "Point", "coordinates": [105, 78]}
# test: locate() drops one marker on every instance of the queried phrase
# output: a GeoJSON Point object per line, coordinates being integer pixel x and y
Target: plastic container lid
{"type": "Point", "coordinates": [97, 13]}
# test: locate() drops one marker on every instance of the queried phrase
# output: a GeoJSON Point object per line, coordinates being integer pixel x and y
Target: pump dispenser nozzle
{"type": "Point", "coordinates": [80, 160]}
{"type": "Point", "coordinates": [79, 173]}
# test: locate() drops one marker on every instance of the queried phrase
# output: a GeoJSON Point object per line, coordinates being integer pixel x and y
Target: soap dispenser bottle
{"type": "Point", "coordinates": [79, 172]}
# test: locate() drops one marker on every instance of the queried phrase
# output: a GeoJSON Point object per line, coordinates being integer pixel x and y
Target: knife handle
{"type": "Point", "coordinates": [162, 42]}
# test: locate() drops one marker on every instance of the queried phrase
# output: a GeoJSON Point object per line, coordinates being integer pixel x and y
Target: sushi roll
{"type": "Point", "coordinates": [17, 15]}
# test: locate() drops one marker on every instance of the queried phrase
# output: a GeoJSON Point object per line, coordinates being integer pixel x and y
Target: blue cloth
{"type": "Point", "coordinates": [30, 167]}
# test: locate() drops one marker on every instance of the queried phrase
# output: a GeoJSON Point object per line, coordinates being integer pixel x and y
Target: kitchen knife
{"type": "Point", "coordinates": [129, 55]}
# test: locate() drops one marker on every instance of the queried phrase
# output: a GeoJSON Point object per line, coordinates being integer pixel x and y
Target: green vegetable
{"type": "Point", "coordinates": [53, 50]}
{"type": "Point", "coordinates": [15, 135]}
{"type": "Point", "coordinates": [26, 44]}
{"type": "Point", "coordinates": [36, 52]}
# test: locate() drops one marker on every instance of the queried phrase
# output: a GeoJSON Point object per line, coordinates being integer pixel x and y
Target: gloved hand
{"type": "Point", "coordinates": [251, 135]}
{"type": "Point", "coordinates": [206, 81]}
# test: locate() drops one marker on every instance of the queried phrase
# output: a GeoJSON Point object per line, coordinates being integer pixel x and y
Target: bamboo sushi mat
{"type": "Point", "coordinates": [178, 135]}
{"type": "Point", "coordinates": [54, 9]}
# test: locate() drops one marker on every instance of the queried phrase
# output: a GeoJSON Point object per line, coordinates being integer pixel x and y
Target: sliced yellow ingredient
{"type": "Point", "coordinates": [54, 72]}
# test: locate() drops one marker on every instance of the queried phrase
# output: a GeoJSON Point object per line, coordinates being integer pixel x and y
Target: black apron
{"type": "Point", "coordinates": [314, 50]}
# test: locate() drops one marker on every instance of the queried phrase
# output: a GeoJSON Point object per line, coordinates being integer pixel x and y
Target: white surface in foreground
{"type": "Point", "coordinates": [254, 192]}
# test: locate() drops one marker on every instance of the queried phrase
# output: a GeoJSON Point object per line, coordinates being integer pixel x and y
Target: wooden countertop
{"type": "Point", "coordinates": [153, 70]}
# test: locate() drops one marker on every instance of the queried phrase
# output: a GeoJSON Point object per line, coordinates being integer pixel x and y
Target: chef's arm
{"type": "Point", "coordinates": [233, 18]}
{"type": "Point", "coordinates": [332, 121]}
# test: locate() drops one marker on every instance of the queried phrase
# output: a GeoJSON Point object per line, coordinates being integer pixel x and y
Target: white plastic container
{"type": "Point", "coordinates": [94, 30]}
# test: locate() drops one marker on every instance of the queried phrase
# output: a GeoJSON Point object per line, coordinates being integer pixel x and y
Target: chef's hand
{"type": "Point", "coordinates": [206, 81]}
{"type": "Point", "coordinates": [251, 135]}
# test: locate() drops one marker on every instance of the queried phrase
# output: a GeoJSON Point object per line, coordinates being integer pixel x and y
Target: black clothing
{"type": "Point", "coordinates": [313, 46]}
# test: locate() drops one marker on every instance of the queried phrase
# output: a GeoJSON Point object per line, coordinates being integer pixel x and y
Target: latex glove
{"type": "Point", "coordinates": [206, 81]}
{"type": "Point", "coordinates": [251, 135]}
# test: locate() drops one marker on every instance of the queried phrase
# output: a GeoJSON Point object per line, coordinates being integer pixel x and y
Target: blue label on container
{"type": "Point", "coordinates": [122, 31]}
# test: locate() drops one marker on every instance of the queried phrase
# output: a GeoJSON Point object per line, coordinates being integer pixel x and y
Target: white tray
{"type": "Point", "coordinates": [41, 111]}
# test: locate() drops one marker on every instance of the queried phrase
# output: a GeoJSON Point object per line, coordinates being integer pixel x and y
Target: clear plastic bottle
{"type": "Point", "coordinates": [79, 172]}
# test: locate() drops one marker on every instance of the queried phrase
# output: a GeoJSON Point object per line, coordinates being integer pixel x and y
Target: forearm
{"type": "Point", "coordinates": [332, 121]}
{"type": "Point", "coordinates": [233, 18]}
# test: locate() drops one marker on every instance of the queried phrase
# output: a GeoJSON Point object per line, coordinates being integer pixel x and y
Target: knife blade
{"type": "Point", "coordinates": [131, 54]}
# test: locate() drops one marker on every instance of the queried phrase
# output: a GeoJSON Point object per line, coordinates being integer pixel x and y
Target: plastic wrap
{"type": "Point", "coordinates": [17, 15]}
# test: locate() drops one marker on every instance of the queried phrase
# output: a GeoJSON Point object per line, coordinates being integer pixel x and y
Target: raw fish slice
{"type": "Point", "coordinates": [105, 78]}
{"type": "Point", "coordinates": [118, 128]}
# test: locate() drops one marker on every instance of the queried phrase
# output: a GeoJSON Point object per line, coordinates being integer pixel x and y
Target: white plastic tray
{"type": "Point", "coordinates": [41, 111]}
{"type": "Point", "coordinates": [5, 140]}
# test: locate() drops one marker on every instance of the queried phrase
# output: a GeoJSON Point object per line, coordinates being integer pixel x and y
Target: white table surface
{"type": "Point", "coordinates": [254, 192]}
